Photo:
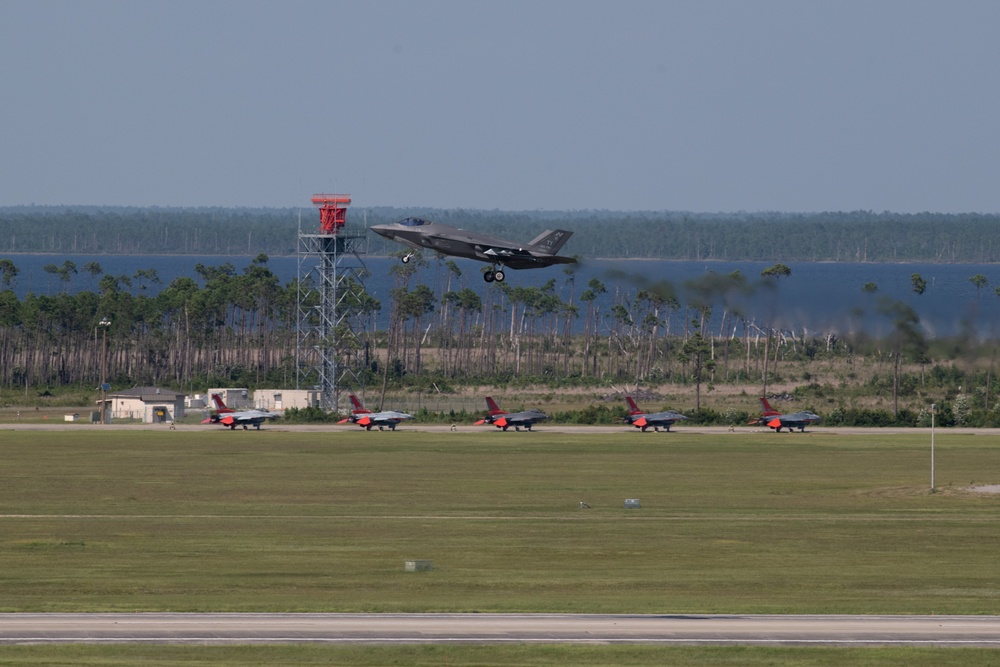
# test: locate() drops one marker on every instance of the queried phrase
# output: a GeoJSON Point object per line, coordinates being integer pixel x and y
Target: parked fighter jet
{"type": "Point", "coordinates": [774, 419]}
{"type": "Point", "coordinates": [366, 418]}
{"type": "Point", "coordinates": [641, 420]}
{"type": "Point", "coordinates": [448, 240]}
{"type": "Point", "coordinates": [232, 418]}
{"type": "Point", "coordinates": [505, 420]}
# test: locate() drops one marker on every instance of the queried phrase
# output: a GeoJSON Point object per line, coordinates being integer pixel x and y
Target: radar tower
{"type": "Point", "coordinates": [331, 302]}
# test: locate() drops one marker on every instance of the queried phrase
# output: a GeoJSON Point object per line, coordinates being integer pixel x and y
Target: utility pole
{"type": "Point", "coordinates": [933, 409]}
{"type": "Point", "coordinates": [104, 324]}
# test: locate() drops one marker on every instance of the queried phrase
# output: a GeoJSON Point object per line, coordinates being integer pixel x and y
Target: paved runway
{"type": "Point", "coordinates": [496, 628]}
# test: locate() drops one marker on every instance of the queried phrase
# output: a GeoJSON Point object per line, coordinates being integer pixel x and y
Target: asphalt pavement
{"type": "Point", "coordinates": [679, 629]}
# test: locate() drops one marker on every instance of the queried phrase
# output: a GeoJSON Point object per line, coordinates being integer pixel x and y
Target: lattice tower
{"type": "Point", "coordinates": [331, 296]}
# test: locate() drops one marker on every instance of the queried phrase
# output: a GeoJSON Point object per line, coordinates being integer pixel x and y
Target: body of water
{"type": "Point", "coordinates": [817, 297]}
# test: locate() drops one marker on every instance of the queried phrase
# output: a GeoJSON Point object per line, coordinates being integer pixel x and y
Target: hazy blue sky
{"type": "Point", "coordinates": [662, 105]}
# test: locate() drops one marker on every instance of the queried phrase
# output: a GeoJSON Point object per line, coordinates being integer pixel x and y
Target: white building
{"type": "Point", "coordinates": [150, 405]}
{"type": "Point", "coordinates": [282, 399]}
{"type": "Point", "coordinates": [237, 398]}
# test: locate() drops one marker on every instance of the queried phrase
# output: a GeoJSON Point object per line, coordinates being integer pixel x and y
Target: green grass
{"type": "Point", "coordinates": [274, 521]}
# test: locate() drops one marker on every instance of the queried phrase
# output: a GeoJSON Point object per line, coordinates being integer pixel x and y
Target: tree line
{"type": "Point", "coordinates": [857, 236]}
{"type": "Point", "coordinates": [230, 327]}
{"type": "Point", "coordinates": [227, 326]}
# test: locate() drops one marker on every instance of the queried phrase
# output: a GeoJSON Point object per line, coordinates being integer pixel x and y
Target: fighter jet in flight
{"type": "Point", "coordinates": [641, 420]}
{"type": "Point", "coordinates": [775, 420]}
{"type": "Point", "coordinates": [447, 240]}
{"type": "Point", "coordinates": [505, 420]}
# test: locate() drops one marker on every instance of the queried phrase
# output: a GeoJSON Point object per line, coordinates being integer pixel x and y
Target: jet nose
{"type": "Point", "coordinates": [382, 230]}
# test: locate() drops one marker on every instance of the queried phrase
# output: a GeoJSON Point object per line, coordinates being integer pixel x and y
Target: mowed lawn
{"type": "Point", "coordinates": [103, 520]}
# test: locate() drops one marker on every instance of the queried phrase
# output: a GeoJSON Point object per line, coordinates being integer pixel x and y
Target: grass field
{"type": "Point", "coordinates": [98, 520]}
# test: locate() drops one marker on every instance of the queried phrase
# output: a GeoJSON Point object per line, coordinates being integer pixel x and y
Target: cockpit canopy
{"type": "Point", "coordinates": [413, 222]}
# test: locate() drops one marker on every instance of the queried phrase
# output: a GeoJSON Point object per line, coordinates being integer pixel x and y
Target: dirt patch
{"type": "Point", "coordinates": [988, 488]}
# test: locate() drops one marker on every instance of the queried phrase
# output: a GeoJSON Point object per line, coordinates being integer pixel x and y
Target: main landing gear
{"type": "Point", "coordinates": [491, 275]}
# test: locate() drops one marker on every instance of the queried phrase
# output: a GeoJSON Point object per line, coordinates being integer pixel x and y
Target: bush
{"type": "Point", "coordinates": [310, 415]}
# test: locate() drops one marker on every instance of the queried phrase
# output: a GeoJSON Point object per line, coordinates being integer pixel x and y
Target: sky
{"type": "Point", "coordinates": [660, 105]}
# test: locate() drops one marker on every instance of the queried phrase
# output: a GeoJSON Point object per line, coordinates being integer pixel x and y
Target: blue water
{"type": "Point", "coordinates": [817, 297]}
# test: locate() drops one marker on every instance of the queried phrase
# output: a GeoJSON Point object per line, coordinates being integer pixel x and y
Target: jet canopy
{"type": "Point", "coordinates": [413, 222]}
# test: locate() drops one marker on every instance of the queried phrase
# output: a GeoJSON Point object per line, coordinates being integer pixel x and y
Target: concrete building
{"type": "Point", "coordinates": [282, 399]}
{"type": "Point", "coordinates": [237, 398]}
{"type": "Point", "coordinates": [150, 405]}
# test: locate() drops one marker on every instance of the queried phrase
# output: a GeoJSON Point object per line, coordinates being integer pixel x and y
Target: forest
{"type": "Point", "coordinates": [857, 236]}
{"type": "Point", "coordinates": [241, 327]}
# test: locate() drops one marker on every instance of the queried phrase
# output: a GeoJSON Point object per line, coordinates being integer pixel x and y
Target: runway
{"type": "Point", "coordinates": [675, 629]}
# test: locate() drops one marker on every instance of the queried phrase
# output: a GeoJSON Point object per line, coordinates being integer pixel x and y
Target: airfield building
{"type": "Point", "coordinates": [151, 405]}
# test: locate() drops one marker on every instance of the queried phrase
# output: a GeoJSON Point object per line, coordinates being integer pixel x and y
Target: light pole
{"type": "Point", "coordinates": [104, 324]}
{"type": "Point", "coordinates": [933, 408]}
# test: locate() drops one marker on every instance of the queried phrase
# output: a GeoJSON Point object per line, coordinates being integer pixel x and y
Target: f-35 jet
{"type": "Point", "coordinates": [501, 253]}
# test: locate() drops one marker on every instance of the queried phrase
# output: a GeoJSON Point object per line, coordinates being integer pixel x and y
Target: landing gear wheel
{"type": "Point", "coordinates": [406, 259]}
{"type": "Point", "coordinates": [499, 276]}
{"type": "Point", "coordinates": [489, 276]}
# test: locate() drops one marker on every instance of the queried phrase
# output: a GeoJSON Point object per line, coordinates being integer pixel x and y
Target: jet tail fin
{"type": "Point", "coordinates": [492, 406]}
{"type": "Point", "coordinates": [358, 407]}
{"type": "Point", "coordinates": [633, 409]}
{"type": "Point", "coordinates": [549, 242]}
{"type": "Point", "coordinates": [768, 410]}
{"type": "Point", "coordinates": [218, 402]}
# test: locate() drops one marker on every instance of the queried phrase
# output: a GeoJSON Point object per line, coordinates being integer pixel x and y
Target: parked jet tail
{"type": "Point", "coordinates": [492, 406]}
{"type": "Point", "coordinates": [549, 242]}
{"type": "Point", "coordinates": [220, 405]}
{"type": "Point", "coordinates": [633, 409]}
{"type": "Point", "coordinates": [359, 409]}
{"type": "Point", "coordinates": [768, 410]}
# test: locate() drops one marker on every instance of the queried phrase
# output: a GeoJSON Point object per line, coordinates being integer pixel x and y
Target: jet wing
{"type": "Point", "coordinates": [522, 259]}
{"type": "Point", "coordinates": [527, 417]}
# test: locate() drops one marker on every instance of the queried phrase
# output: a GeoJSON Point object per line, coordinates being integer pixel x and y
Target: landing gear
{"type": "Point", "coordinates": [406, 258]}
{"type": "Point", "coordinates": [492, 275]}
